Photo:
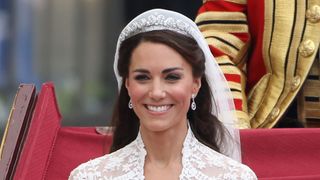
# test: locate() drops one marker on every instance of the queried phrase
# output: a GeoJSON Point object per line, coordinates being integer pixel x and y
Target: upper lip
{"type": "Point", "coordinates": [168, 104]}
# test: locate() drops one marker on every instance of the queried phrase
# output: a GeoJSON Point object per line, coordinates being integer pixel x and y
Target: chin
{"type": "Point", "coordinates": [156, 126]}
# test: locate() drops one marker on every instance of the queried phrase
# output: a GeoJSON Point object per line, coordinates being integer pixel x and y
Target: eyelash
{"type": "Point", "coordinates": [169, 77]}
{"type": "Point", "coordinates": [173, 77]}
{"type": "Point", "coordinates": [141, 77]}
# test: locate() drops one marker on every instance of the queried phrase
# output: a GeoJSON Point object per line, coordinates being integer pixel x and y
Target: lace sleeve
{"type": "Point", "coordinates": [216, 166]}
{"type": "Point", "coordinates": [247, 173]}
{"type": "Point", "coordinates": [201, 162]}
{"type": "Point", "coordinates": [126, 163]}
{"type": "Point", "coordinates": [85, 171]}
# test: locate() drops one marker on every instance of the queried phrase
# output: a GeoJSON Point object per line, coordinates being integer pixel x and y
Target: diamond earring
{"type": "Point", "coordinates": [130, 104]}
{"type": "Point", "coordinates": [193, 104]}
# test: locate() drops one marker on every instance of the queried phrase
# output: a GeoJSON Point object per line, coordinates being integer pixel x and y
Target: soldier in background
{"type": "Point", "coordinates": [265, 48]}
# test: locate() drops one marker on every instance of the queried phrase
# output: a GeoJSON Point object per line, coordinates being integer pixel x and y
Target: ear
{"type": "Point", "coordinates": [196, 85]}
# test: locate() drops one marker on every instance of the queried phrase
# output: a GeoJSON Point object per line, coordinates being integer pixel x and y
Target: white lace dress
{"type": "Point", "coordinates": [198, 161]}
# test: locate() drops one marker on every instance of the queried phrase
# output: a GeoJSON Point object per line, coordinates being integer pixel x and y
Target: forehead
{"type": "Point", "coordinates": [156, 55]}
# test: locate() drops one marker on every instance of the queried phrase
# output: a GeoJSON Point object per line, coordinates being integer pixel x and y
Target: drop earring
{"type": "Point", "coordinates": [193, 103]}
{"type": "Point", "coordinates": [130, 104]}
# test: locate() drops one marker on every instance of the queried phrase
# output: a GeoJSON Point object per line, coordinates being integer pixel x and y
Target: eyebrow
{"type": "Point", "coordinates": [165, 71]}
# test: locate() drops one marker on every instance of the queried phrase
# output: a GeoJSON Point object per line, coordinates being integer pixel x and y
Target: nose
{"type": "Point", "coordinates": [157, 91]}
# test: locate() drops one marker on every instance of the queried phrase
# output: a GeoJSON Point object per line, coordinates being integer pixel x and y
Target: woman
{"type": "Point", "coordinates": [163, 66]}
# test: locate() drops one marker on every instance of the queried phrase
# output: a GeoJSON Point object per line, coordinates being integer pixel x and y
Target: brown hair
{"type": "Point", "coordinates": [205, 126]}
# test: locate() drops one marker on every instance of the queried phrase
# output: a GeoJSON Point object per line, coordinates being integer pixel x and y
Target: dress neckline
{"type": "Point", "coordinates": [184, 151]}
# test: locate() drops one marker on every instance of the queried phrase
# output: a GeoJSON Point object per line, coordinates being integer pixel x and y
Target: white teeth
{"type": "Point", "coordinates": [158, 108]}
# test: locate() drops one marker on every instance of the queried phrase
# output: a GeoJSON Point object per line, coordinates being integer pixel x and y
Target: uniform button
{"type": "Point", "coordinates": [295, 83]}
{"type": "Point", "coordinates": [275, 112]}
{"type": "Point", "coordinates": [313, 14]}
{"type": "Point", "coordinates": [307, 48]}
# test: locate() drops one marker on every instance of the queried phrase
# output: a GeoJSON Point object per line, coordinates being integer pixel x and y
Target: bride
{"type": "Point", "coordinates": [174, 115]}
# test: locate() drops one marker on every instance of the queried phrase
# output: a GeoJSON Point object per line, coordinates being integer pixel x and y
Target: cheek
{"type": "Point", "coordinates": [136, 92]}
{"type": "Point", "coordinates": [182, 94]}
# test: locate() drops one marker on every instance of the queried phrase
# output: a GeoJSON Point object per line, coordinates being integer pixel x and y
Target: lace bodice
{"type": "Point", "coordinates": [198, 161]}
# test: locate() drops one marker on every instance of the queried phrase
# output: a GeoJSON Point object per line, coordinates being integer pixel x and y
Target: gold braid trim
{"type": "Point", "coordinates": [223, 59]}
{"type": "Point", "coordinates": [207, 19]}
{"type": "Point", "coordinates": [236, 86]}
{"type": "Point", "coordinates": [293, 56]}
{"type": "Point", "coordinates": [227, 49]}
{"type": "Point", "coordinates": [224, 16]}
{"type": "Point", "coordinates": [229, 69]}
{"type": "Point", "coordinates": [256, 96]}
{"type": "Point", "coordinates": [234, 40]}
{"type": "Point", "coordinates": [243, 122]}
{"type": "Point", "coordinates": [233, 28]}
{"type": "Point", "coordinates": [243, 117]}
{"type": "Point", "coordinates": [233, 1]}
{"type": "Point", "coordinates": [270, 98]}
{"type": "Point", "coordinates": [236, 94]}
{"type": "Point", "coordinates": [312, 32]}
{"type": "Point", "coordinates": [230, 42]}
{"type": "Point", "coordinates": [216, 28]}
{"type": "Point", "coordinates": [276, 40]}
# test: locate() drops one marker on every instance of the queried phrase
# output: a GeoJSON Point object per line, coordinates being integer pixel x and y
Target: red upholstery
{"type": "Point", "coordinates": [51, 151]}
{"type": "Point", "coordinates": [73, 147]}
{"type": "Point", "coordinates": [282, 153]}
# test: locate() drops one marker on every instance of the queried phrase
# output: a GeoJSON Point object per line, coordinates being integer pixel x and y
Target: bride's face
{"type": "Point", "coordinates": [160, 84]}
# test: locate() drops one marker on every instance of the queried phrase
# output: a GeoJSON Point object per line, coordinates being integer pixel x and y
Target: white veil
{"type": "Point", "coordinates": [223, 106]}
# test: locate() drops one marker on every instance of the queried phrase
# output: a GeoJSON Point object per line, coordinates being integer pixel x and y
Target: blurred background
{"type": "Point", "coordinates": [71, 43]}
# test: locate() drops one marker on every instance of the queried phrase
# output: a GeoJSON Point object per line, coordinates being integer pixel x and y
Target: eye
{"type": "Point", "coordinates": [173, 77]}
{"type": "Point", "coordinates": [141, 77]}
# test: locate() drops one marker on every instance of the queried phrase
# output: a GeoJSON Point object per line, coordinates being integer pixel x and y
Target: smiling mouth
{"type": "Point", "coordinates": [161, 108]}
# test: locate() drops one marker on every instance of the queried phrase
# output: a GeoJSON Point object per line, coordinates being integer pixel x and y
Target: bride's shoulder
{"type": "Point", "coordinates": [90, 168]}
{"type": "Point", "coordinates": [104, 166]}
{"type": "Point", "coordinates": [211, 163]}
